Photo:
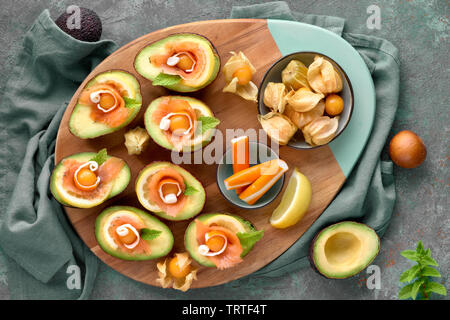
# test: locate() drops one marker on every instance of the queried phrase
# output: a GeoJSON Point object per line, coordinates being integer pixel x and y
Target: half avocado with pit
{"type": "Point", "coordinates": [109, 102]}
{"type": "Point", "coordinates": [131, 234]}
{"type": "Point", "coordinates": [182, 62]}
{"type": "Point", "coordinates": [87, 179]}
{"type": "Point", "coordinates": [169, 191]}
{"type": "Point", "coordinates": [247, 234]}
{"type": "Point", "coordinates": [180, 123]}
{"type": "Point", "coordinates": [344, 249]}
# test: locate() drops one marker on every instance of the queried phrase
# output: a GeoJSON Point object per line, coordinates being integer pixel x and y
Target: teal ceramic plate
{"type": "Point", "coordinates": [258, 153]}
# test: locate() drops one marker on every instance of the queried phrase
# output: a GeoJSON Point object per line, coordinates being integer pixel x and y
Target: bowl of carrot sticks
{"type": "Point", "coordinates": [250, 175]}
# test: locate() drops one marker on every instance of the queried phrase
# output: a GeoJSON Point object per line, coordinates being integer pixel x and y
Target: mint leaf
{"type": "Point", "coordinates": [164, 79]}
{"type": "Point", "coordinates": [131, 103]}
{"type": "Point", "coordinates": [410, 254]}
{"type": "Point", "coordinates": [405, 292]}
{"type": "Point", "coordinates": [415, 288]}
{"type": "Point", "coordinates": [410, 274]}
{"type": "Point", "coordinates": [189, 190]}
{"type": "Point", "coordinates": [207, 123]}
{"type": "Point", "coordinates": [436, 288]}
{"type": "Point", "coordinates": [430, 272]}
{"type": "Point", "coordinates": [149, 234]}
{"type": "Point", "coordinates": [100, 157]}
{"type": "Point", "coordinates": [420, 249]}
{"type": "Point", "coordinates": [248, 240]}
{"type": "Point", "coordinates": [429, 261]}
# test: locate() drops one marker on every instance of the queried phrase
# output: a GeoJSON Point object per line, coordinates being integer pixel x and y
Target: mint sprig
{"type": "Point", "coordinates": [131, 103]}
{"type": "Point", "coordinates": [207, 123]}
{"type": "Point", "coordinates": [100, 157]}
{"type": "Point", "coordinates": [149, 234]}
{"type": "Point", "coordinates": [421, 272]}
{"type": "Point", "coordinates": [189, 190]}
{"type": "Point", "coordinates": [249, 239]}
{"type": "Point", "coordinates": [164, 79]}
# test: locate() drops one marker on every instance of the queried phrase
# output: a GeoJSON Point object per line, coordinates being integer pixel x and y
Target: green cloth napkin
{"type": "Point", "coordinates": [34, 231]}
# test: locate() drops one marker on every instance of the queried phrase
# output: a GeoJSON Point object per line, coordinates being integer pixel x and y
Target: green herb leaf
{"type": "Point", "coordinates": [164, 79]}
{"type": "Point", "coordinates": [429, 261]}
{"type": "Point", "coordinates": [410, 254]}
{"type": "Point", "coordinates": [131, 103]}
{"type": "Point", "coordinates": [405, 292]}
{"type": "Point", "coordinates": [100, 157]}
{"type": "Point", "coordinates": [149, 234]}
{"type": "Point", "coordinates": [207, 123]}
{"type": "Point", "coordinates": [420, 249]}
{"type": "Point", "coordinates": [248, 240]}
{"type": "Point", "coordinates": [430, 272]}
{"type": "Point", "coordinates": [436, 288]}
{"type": "Point", "coordinates": [189, 190]}
{"type": "Point", "coordinates": [415, 288]}
{"type": "Point", "coordinates": [410, 274]}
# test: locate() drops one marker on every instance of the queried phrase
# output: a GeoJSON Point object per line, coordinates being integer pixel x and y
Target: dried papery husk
{"type": "Point", "coordinates": [321, 130]}
{"type": "Point", "coordinates": [301, 119]}
{"type": "Point", "coordinates": [166, 280]}
{"type": "Point", "coordinates": [278, 127]}
{"type": "Point", "coordinates": [294, 76]}
{"type": "Point", "coordinates": [275, 96]}
{"type": "Point", "coordinates": [136, 140]}
{"type": "Point", "coordinates": [248, 91]}
{"type": "Point", "coordinates": [304, 100]}
{"type": "Point", "coordinates": [323, 77]}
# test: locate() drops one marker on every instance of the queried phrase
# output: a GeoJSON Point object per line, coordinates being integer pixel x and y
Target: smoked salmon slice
{"type": "Point", "coordinates": [142, 246]}
{"type": "Point", "coordinates": [107, 172]}
{"type": "Point", "coordinates": [113, 118]}
{"type": "Point", "coordinates": [172, 209]}
{"type": "Point", "coordinates": [232, 254]}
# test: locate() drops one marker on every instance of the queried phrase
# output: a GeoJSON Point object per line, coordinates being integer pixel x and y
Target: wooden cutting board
{"type": "Point", "coordinates": [255, 38]}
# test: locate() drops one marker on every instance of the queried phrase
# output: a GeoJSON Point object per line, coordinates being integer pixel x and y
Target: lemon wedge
{"type": "Point", "coordinates": [294, 203]}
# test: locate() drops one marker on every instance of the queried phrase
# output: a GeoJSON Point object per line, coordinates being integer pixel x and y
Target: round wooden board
{"type": "Point", "coordinates": [253, 37]}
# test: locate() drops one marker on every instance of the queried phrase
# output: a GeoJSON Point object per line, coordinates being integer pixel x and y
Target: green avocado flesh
{"type": "Point", "coordinates": [344, 249]}
{"type": "Point", "coordinates": [231, 222]}
{"type": "Point", "coordinates": [194, 202]}
{"type": "Point", "coordinates": [83, 126]}
{"type": "Point", "coordinates": [209, 71]}
{"type": "Point", "coordinates": [57, 189]}
{"type": "Point", "coordinates": [159, 247]}
{"type": "Point", "coordinates": [199, 139]}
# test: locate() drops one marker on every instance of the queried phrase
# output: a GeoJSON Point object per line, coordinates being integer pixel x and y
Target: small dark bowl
{"type": "Point", "coordinates": [225, 169]}
{"type": "Point", "coordinates": [274, 75]}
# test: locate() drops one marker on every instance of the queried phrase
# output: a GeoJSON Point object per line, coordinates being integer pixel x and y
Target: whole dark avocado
{"type": "Point", "coordinates": [90, 25]}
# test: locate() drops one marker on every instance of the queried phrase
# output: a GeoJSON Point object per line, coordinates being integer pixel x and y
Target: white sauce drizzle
{"type": "Point", "coordinates": [93, 166]}
{"type": "Point", "coordinates": [123, 231]}
{"type": "Point", "coordinates": [204, 249]}
{"type": "Point", "coordinates": [164, 124]}
{"type": "Point", "coordinates": [173, 61]}
{"type": "Point", "coordinates": [95, 98]}
{"type": "Point", "coordinates": [171, 197]}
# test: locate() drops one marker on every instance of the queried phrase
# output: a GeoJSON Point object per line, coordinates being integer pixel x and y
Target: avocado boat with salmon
{"type": "Point", "coordinates": [220, 240]}
{"type": "Point", "coordinates": [131, 234]}
{"type": "Point", "coordinates": [87, 179]}
{"type": "Point", "coordinates": [169, 191]}
{"type": "Point", "coordinates": [182, 62]}
{"type": "Point", "coordinates": [109, 102]}
{"type": "Point", "coordinates": [180, 123]}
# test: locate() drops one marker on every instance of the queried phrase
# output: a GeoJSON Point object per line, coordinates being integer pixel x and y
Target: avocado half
{"type": "Point", "coordinates": [232, 222]}
{"type": "Point", "coordinates": [344, 249]}
{"type": "Point", "coordinates": [69, 200]}
{"type": "Point", "coordinates": [194, 203]}
{"type": "Point", "coordinates": [80, 122]}
{"type": "Point", "coordinates": [159, 246]}
{"type": "Point", "coordinates": [150, 71]}
{"type": "Point", "coordinates": [199, 140]}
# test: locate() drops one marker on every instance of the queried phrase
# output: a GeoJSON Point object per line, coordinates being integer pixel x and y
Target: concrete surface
{"type": "Point", "coordinates": [418, 28]}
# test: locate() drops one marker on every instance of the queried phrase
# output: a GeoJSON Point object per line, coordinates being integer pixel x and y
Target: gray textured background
{"type": "Point", "coordinates": [418, 28]}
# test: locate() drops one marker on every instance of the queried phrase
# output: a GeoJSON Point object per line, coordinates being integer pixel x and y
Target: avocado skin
{"type": "Point", "coordinates": [316, 237]}
{"type": "Point", "coordinates": [91, 25]}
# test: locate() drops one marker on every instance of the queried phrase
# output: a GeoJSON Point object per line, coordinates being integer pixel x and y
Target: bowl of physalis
{"type": "Point", "coordinates": [305, 100]}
